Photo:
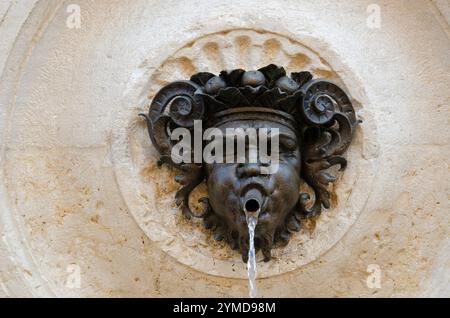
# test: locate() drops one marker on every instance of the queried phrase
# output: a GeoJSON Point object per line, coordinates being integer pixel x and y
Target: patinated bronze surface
{"type": "Point", "coordinates": [316, 122]}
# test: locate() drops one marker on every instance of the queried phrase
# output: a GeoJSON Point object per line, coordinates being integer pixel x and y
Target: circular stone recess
{"type": "Point", "coordinates": [149, 191]}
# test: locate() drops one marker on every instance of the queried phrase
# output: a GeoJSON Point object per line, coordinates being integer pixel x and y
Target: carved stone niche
{"type": "Point", "coordinates": [315, 120]}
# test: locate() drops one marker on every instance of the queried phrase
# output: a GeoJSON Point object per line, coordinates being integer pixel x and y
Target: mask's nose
{"type": "Point", "coordinates": [247, 170]}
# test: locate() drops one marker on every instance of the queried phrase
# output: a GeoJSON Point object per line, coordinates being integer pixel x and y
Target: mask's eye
{"type": "Point", "coordinates": [288, 143]}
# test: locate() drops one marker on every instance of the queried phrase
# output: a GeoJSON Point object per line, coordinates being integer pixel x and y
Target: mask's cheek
{"type": "Point", "coordinates": [285, 195]}
{"type": "Point", "coordinates": [222, 191]}
{"type": "Point", "coordinates": [292, 159]}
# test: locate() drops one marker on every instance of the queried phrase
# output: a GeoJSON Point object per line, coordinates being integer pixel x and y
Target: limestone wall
{"type": "Point", "coordinates": [85, 211]}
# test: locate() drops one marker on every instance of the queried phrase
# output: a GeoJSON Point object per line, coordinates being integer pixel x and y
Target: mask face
{"type": "Point", "coordinates": [228, 184]}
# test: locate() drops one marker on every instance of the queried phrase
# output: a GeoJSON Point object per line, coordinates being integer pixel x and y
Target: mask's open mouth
{"type": "Point", "coordinates": [252, 206]}
{"type": "Point", "coordinates": [252, 203]}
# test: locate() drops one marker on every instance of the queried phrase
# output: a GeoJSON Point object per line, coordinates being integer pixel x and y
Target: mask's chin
{"type": "Point", "coordinates": [264, 240]}
{"type": "Point", "coordinates": [269, 220]}
{"type": "Point", "coordinates": [264, 232]}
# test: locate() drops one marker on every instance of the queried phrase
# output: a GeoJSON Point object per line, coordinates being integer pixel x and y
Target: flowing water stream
{"type": "Point", "coordinates": [251, 263]}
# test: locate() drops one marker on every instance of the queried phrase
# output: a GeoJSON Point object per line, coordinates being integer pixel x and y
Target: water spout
{"type": "Point", "coordinates": [252, 208]}
{"type": "Point", "coordinates": [252, 203]}
{"type": "Point", "coordinates": [251, 263]}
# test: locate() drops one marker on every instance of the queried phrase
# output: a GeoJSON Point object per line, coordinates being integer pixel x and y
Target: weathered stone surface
{"type": "Point", "coordinates": [80, 190]}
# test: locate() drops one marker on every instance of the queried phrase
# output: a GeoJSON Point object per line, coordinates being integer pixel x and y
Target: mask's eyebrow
{"type": "Point", "coordinates": [284, 138]}
{"type": "Point", "coordinates": [287, 141]}
{"type": "Point", "coordinates": [287, 137]}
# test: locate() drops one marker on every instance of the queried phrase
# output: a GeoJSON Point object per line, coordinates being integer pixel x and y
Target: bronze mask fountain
{"type": "Point", "coordinates": [316, 123]}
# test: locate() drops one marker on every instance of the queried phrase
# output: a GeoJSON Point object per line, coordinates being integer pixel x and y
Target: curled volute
{"type": "Point", "coordinates": [176, 105]}
{"type": "Point", "coordinates": [330, 123]}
